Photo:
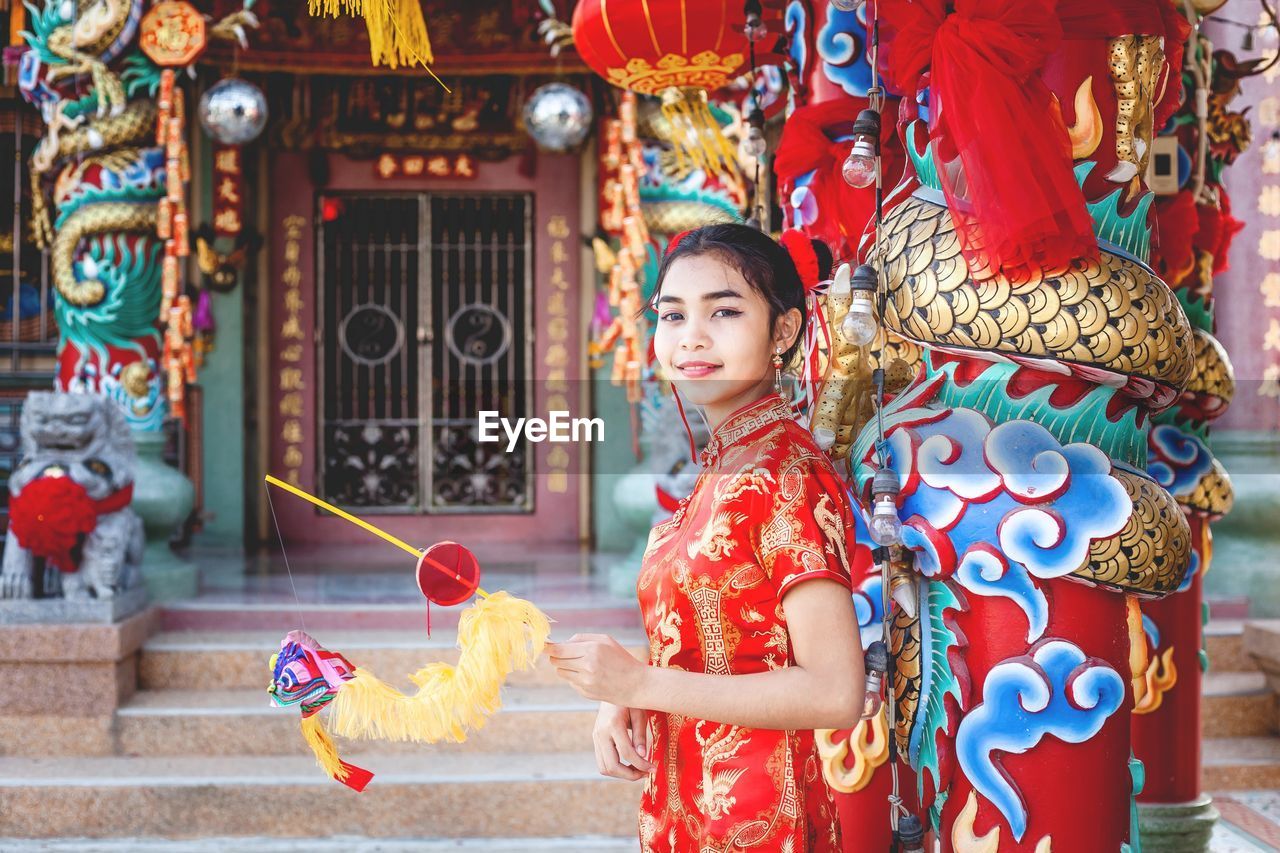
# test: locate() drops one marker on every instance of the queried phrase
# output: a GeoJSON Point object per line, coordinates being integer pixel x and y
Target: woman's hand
{"type": "Point", "coordinates": [598, 667]}
{"type": "Point", "coordinates": [621, 740]}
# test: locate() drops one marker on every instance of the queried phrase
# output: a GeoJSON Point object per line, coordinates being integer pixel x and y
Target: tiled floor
{"type": "Point", "coordinates": [1250, 822]}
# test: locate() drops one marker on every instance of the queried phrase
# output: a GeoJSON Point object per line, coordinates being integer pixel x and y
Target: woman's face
{"type": "Point", "coordinates": [713, 338]}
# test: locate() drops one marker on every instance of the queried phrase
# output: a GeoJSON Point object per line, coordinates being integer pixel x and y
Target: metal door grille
{"type": "Point", "coordinates": [370, 251]}
{"type": "Point", "coordinates": [480, 274]}
{"type": "Point", "coordinates": [451, 272]}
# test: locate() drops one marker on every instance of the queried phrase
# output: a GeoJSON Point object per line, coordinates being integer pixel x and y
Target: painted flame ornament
{"type": "Point", "coordinates": [497, 636]}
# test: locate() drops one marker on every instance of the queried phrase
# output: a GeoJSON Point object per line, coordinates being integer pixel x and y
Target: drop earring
{"type": "Point", "coordinates": [777, 370]}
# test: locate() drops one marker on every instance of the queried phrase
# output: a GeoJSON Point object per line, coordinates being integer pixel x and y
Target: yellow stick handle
{"type": "Point", "coordinates": [360, 522]}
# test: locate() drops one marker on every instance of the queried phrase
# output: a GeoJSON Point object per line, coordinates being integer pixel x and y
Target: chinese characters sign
{"type": "Point", "coordinates": [556, 360]}
{"type": "Point", "coordinates": [392, 166]}
{"type": "Point", "coordinates": [228, 191]}
{"type": "Point", "coordinates": [290, 383]}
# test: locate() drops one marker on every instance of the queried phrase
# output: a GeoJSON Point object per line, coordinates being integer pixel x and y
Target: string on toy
{"type": "Point", "coordinates": [422, 555]}
{"type": "Point", "coordinates": [284, 552]}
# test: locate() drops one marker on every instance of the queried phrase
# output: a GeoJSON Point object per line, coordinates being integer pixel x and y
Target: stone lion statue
{"type": "Point", "coordinates": [69, 502]}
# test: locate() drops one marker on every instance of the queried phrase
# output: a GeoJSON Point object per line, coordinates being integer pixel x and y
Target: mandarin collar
{"type": "Point", "coordinates": [744, 422]}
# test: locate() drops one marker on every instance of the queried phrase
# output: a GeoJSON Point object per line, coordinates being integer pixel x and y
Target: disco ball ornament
{"type": "Point", "coordinates": [558, 117]}
{"type": "Point", "coordinates": [233, 111]}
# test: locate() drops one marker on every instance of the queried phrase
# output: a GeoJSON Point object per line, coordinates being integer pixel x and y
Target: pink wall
{"type": "Point", "coordinates": [1244, 316]}
{"type": "Point", "coordinates": [555, 186]}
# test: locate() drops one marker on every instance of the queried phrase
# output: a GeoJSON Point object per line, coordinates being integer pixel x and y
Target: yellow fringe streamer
{"type": "Point", "coordinates": [326, 753]}
{"type": "Point", "coordinates": [696, 134]}
{"type": "Point", "coordinates": [397, 29]}
{"type": "Point", "coordinates": [497, 636]}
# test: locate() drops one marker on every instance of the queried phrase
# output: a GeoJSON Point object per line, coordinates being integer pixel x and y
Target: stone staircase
{"type": "Point", "coordinates": [198, 752]}
{"type": "Point", "coordinates": [1241, 715]}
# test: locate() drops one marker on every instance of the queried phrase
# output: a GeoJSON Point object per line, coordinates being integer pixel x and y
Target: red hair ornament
{"type": "Point", "coordinates": [803, 255]}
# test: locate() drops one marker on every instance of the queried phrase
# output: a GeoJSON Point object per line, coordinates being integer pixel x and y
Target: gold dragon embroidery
{"type": "Point", "coordinates": [719, 746]}
{"type": "Point", "coordinates": [756, 479]}
{"type": "Point", "coordinates": [664, 642]}
{"type": "Point", "coordinates": [716, 539]}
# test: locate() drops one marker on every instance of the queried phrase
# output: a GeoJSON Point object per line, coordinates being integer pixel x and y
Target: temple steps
{"type": "Point", "coordinates": [1238, 704]}
{"type": "Point", "coordinates": [533, 719]}
{"type": "Point", "coordinates": [200, 751]}
{"type": "Point", "coordinates": [238, 659]}
{"type": "Point", "coordinates": [1224, 642]}
{"type": "Point", "coordinates": [567, 613]}
{"type": "Point", "coordinates": [507, 795]}
{"type": "Point", "coordinates": [1240, 763]}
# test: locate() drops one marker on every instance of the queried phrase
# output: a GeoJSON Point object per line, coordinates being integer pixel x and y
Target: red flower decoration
{"type": "Point", "coordinates": [675, 241]}
{"type": "Point", "coordinates": [49, 517]}
{"type": "Point", "coordinates": [800, 248]}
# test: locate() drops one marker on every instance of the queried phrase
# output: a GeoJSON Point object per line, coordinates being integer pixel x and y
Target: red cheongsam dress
{"type": "Point", "coordinates": [767, 512]}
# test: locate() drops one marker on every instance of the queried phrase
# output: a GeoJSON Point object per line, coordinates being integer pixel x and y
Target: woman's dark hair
{"type": "Point", "coordinates": [761, 260]}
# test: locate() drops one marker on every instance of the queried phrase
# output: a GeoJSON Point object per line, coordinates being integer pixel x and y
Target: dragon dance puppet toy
{"type": "Point", "coordinates": [497, 635]}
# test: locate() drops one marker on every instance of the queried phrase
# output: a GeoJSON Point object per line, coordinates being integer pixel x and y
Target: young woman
{"type": "Point", "coordinates": [745, 591]}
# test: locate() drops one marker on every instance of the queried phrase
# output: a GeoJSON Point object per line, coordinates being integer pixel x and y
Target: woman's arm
{"type": "Point", "coordinates": [822, 690]}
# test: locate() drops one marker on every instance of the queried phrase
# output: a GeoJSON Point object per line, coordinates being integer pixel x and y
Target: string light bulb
{"type": "Point", "coordinates": [754, 29]}
{"type": "Point", "coordinates": [885, 525]}
{"type": "Point", "coordinates": [859, 326]}
{"type": "Point", "coordinates": [876, 662]}
{"type": "Point", "coordinates": [910, 834]}
{"type": "Point", "coordinates": [754, 144]}
{"type": "Point", "coordinates": [859, 168]}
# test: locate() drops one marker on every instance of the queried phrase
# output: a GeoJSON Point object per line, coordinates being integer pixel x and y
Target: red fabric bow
{"type": "Point", "coordinates": [800, 248]}
{"type": "Point", "coordinates": [52, 512]}
{"type": "Point", "coordinates": [675, 241]}
{"type": "Point", "coordinates": [1002, 148]}
{"type": "Point", "coordinates": [807, 146]}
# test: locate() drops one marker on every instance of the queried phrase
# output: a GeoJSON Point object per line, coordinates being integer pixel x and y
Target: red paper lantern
{"type": "Point", "coordinates": [678, 49]}
{"type": "Point", "coordinates": [649, 46]}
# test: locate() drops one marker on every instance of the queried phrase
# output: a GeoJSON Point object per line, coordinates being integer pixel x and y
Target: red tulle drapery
{"type": "Point", "coordinates": [1002, 148]}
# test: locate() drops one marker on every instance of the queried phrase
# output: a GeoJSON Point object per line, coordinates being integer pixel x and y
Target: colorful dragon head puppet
{"type": "Point", "coordinates": [497, 635]}
{"type": "Point", "coordinates": [305, 674]}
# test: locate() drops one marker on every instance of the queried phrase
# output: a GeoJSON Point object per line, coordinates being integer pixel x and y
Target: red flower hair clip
{"type": "Point", "coordinates": [675, 241]}
{"type": "Point", "coordinates": [803, 255]}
